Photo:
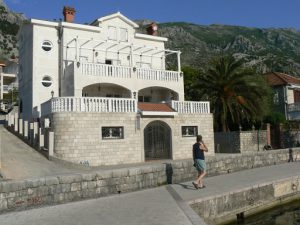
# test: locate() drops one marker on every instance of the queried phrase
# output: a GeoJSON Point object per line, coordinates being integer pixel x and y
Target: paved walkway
{"type": "Point", "coordinates": [162, 206]}
{"type": "Point", "coordinates": [20, 161]}
{"type": "Point", "coordinates": [158, 206]}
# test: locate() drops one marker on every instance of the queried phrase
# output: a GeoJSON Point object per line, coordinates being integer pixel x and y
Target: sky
{"type": "Point", "coordinates": [250, 13]}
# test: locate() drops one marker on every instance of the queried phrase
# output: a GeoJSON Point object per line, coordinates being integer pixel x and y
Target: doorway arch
{"type": "Point", "coordinates": [157, 141]}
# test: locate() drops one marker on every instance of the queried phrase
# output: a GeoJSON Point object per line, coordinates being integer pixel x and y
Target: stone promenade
{"type": "Point", "coordinates": [33, 181]}
{"type": "Point", "coordinates": [162, 206]}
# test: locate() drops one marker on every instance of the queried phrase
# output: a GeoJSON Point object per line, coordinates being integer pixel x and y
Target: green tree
{"type": "Point", "coordinates": [191, 76]}
{"type": "Point", "coordinates": [235, 92]}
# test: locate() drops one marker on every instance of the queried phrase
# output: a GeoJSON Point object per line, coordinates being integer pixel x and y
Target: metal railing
{"type": "Point", "coordinates": [294, 107]}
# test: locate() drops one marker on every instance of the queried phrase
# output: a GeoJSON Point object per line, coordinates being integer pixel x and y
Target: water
{"type": "Point", "coordinates": [288, 214]}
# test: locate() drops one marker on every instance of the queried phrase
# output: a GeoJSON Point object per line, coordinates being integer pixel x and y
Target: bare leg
{"type": "Point", "coordinates": [200, 178]}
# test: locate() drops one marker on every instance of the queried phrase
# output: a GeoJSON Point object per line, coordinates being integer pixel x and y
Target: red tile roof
{"type": "Point", "coordinates": [2, 63]}
{"type": "Point", "coordinates": [276, 79]}
{"type": "Point", "coordinates": [160, 107]}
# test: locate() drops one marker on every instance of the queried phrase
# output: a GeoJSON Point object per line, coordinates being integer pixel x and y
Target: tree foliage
{"type": "Point", "coordinates": [235, 92]}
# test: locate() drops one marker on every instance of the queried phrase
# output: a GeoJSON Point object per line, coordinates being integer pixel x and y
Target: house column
{"type": "Point", "coordinates": [178, 61]}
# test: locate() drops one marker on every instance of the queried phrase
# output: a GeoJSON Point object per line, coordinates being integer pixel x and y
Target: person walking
{"type": "Point", "coordinates": [199, 161]}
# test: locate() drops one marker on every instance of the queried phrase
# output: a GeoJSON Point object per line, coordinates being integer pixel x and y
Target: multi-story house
{"type": "Point", "coordinates": [286, 94]}
{"type": "Point", "coordinates": [107, 92]}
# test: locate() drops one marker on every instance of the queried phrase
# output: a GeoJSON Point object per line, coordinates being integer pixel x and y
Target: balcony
{"type": "Point", "coordinates": [118, 105]}
{"type": "Point", "coordinates": [294, 107]}
{"type": "Point", "coordinates": [85, 104]}
{"type": "Point", "coordinates": [104, 70]}
{"type": "Point", "coordinates": [293, 111]}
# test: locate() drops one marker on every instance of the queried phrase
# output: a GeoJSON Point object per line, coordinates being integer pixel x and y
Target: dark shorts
{"type": "Point", "coordinates": [200, 165]}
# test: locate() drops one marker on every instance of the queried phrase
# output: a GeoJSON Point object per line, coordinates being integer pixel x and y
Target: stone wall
{"type": "Point", "coordinates": [240, 141]}
{"type": "Point", "coordinates": [225, 207]}
{"type": "Point", "coordinates": [181, 145]}
{"type": "Point", "coordinates": [22, 194]}
{"type": "Point", "coordinates": [78, 136]}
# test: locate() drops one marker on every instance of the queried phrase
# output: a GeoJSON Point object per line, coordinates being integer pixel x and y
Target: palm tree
{"type": "Point", "coordinates": [235, 92]}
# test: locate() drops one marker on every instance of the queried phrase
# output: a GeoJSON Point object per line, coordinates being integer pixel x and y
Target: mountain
{"type": "Point", "coordinates": [9, 25]}
{"type": "Point", "coordinates": [265, 49]}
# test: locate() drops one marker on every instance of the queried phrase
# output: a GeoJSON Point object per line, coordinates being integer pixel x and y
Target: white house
{"type": "Point", "coordinates": [286, 94]}
{"type": "Point", "coordinates": [106, 91]}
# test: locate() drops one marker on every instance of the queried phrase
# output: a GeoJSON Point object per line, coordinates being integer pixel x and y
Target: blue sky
{"type": "Point", "coordinates": [251, 13]}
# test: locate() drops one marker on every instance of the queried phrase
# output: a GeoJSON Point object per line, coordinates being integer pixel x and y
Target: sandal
{"type": "Point", "coordinates": [202, 187]}
{"type": "Point", "coordinates": [195, 185]}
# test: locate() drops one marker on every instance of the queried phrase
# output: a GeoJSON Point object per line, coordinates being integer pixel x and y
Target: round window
{"type": "Point", "coordinates": [47, 81]}
{"type": "Point", "coordinates": [47, 46]}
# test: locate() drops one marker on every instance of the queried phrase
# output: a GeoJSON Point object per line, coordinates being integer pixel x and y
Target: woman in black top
{"type": "Point", "coordinates": [199, 161]}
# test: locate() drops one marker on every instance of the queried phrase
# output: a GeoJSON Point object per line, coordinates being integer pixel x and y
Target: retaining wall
{"type": "Point", "coordinates": [26, 193]}
{"type": "Point", "coordinates": [225, 207]}
{"type": "Point", "coordinates": [240, 141]}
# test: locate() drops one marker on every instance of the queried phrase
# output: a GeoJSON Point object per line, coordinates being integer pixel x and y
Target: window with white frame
{"type": "Point", "coordinates": [112, 132]}
{"type": "Point", "coordinates": [189, 131]}
{"type": "Point", "coordinates": [47, 81]}
{"type": "Point", "coordinates": [123, 35]}
{"type": "Point", "coordinates": [112, 33]}
{"type": "Point", "coordinates": [47, 46]}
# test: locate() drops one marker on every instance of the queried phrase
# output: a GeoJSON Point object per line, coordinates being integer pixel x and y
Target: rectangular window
{"type": "Point", "coordinates": [112, 33]}
{"type": "Point", "coordinates": [189, 131]}
{"type": "Point", "coordinates": [123, 35]}
{"type": "Point", "coordinates": [112, 132]}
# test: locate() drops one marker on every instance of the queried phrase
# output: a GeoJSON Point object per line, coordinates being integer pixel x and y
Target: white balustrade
{"type": "Point", "coordinates": [191, 107]}
{"type": "Point", "coordinates": [161, 75]}
{"type": "Point", "coordinates": [105, 70]}
{"type": "Point", "coordinates": [86, 104]}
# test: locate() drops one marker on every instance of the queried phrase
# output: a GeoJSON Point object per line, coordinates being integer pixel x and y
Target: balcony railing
{"type": "Point", "coordinates": [191, 107]}
{"type": "Point", "coordinates": [161, 75]}
{"type": "Point", "coordinates": [105, 70]}
{"type": "Point", "coordinates": [84, 104]}
{"type": "Point", "coordinates": [294, 107]}
{"type": "Point", "coordinates": [126, 105]}
{"type": "Point", "coordinates": [127, 72]}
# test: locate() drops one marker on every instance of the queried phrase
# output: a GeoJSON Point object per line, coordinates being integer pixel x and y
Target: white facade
{"type": "Point", "coordinates": [105, 59]}
{"type": "Point", "coordinates": [104, 86]}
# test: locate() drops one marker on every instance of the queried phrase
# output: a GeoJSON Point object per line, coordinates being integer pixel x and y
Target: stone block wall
{"type": "Point", "coordinates": [34, 192]}
{"type": "Point", "coordinates": [225, 207]}
{"type": "Point", "coordinates": [78, 136]}
{"type": "Point", "coordinates": [182, 146]}
{"type": "Point", "coordinates": [253, 141]}
{"type": "Point", "coordinates": [240, 141]}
